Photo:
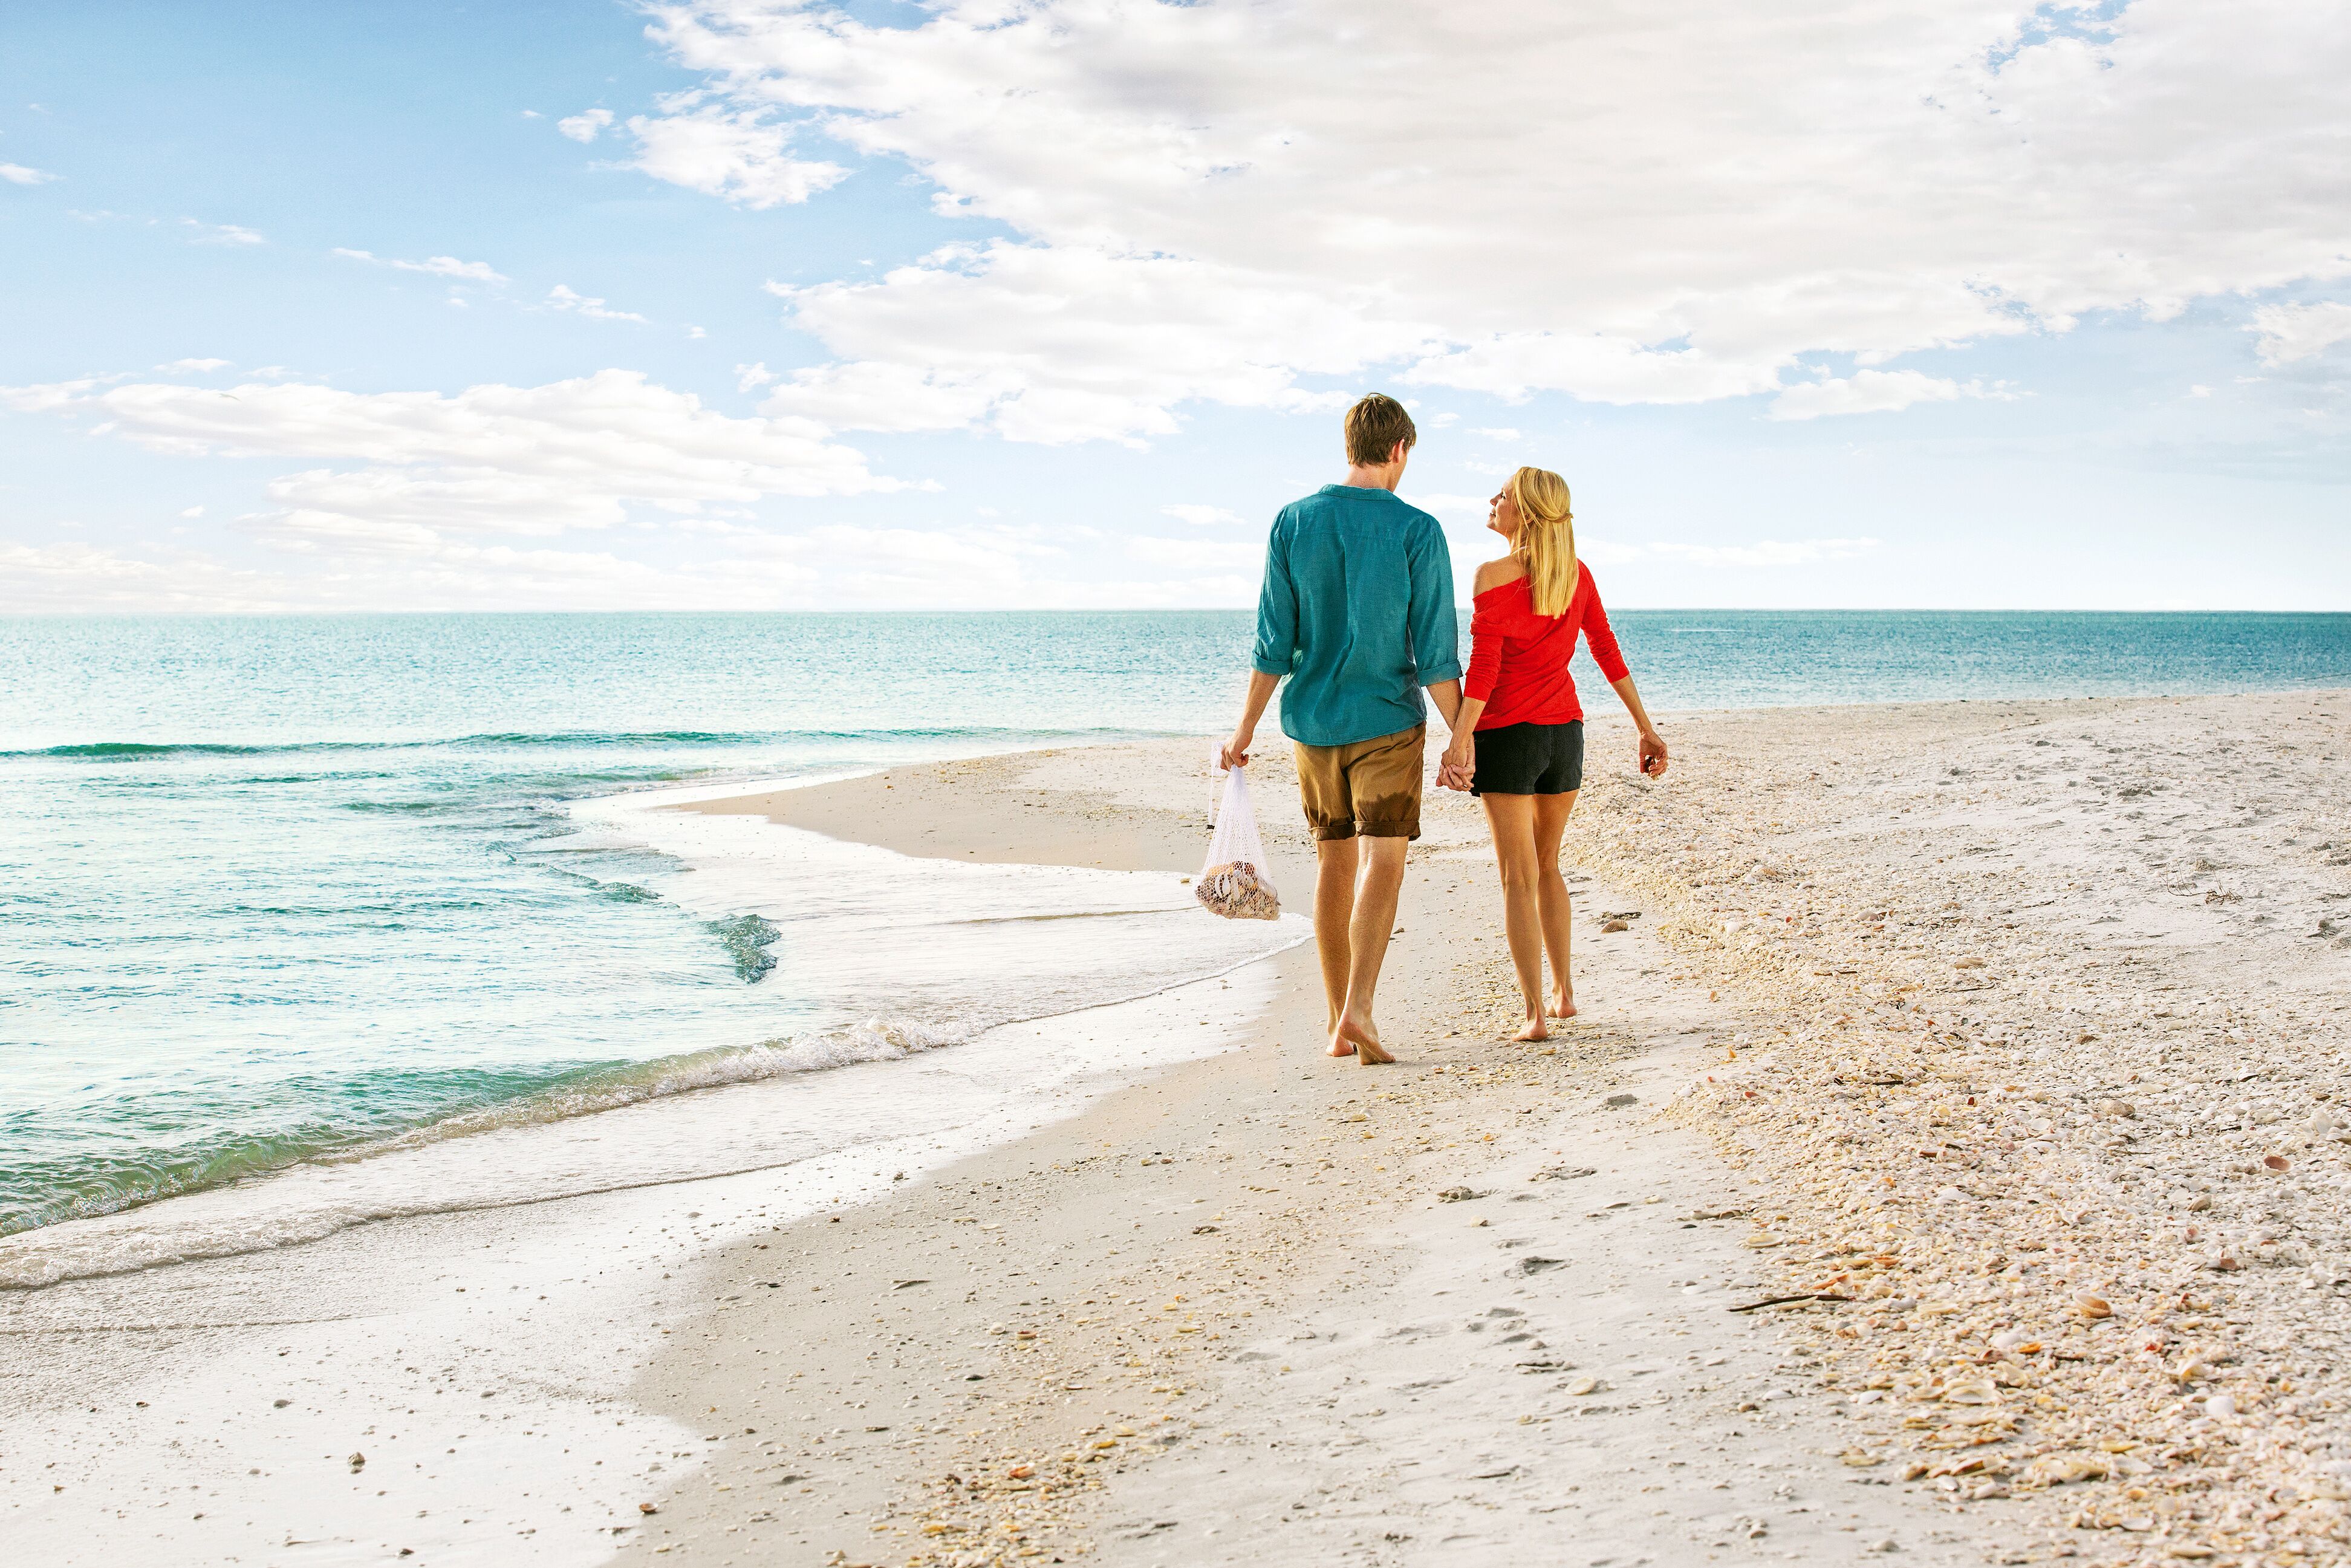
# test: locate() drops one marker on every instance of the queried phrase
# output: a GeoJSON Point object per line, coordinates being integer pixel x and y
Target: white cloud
{"type": "Point", "coordinates": [562, 297]}
{"type": "Point", "coordinates": [435, 267]}
{"type": "Point", "coordinates": [193, 512]}
{"type": "Point", "coordinates": [1052, 344]}
{"type": "Point", "coordinates": [1767, 552]}
{"type": "Point", "coordinates": [1198, 555]}
{"type": "Point", "coordinates": [222, 233]}
{"type": "Point", "coordinates": [741, 156]}
{"type": "Point", "coordinates": [18, 174]}
{"type": "Point", "coordinates": [2291, 332]}
{"type": "Point", "coordinates": [585, 127]}
{"type": "Point", "coordinates": [1862, 177]}
{"type": "Point", "coordinates": [749, 376]}
{"type": "Point", "coordinates": [873, 395]}
{"type": "Point", "coordinates": [1492, 433]}
{"type": "Point", "coordinates": [1450, 508]}
{"type": "Point", "coordinates": [526, 461]}
{"type": "Point", "coordinates": [195, 366]}
{"type": "Point", "coordinates": [963, 568]}
{"type": "Point", "coordinates": [1206, 516]}
{"type": "Point", "coordinates": [389, 569]}
{"type": "Point", "coordinates": [1606, 552]}
{"type": "Point", "coordinates": [77, 577]}
{"type": "Point", "coordinates": [1872, 392]}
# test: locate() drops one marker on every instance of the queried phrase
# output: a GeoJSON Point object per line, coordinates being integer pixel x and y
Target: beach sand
{"type": "Point", "coordinates": [1476, 1307]}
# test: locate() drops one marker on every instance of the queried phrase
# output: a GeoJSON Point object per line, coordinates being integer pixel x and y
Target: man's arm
{"type": "Point", "coordinates": [1436, 635]}
{"type": "Point", "coordinates": [1276, 649]}
{"type": "Point", "coordinates": [1261, 692]}
{"type": "Point", "coordinates": [1447, 695]}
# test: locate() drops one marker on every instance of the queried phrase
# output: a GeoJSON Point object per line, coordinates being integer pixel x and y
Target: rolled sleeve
{"type": "Point", "coordinates": [1435, 633]}
{"type": "Point", "coordinates": [1276, 650]}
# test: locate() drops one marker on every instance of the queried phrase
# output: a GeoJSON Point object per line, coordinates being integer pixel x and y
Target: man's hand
{"type": "Point", "coordinates": [1459, 765]}
{"type": "Point", "coordinates": [1653, 754]}
{"type": "Point", "coordinates": [1234, 753]}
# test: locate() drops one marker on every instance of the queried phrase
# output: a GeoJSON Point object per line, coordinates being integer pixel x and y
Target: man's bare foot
{"type": "Point", "coordinates": [1533, 1031]}
{"type": "Point", "coordinates": [1361, 1039]}
{"type": "Point", "coordinates": [1563, 1004]}
{"type": "Point", "coordinates": [1337, 1047]}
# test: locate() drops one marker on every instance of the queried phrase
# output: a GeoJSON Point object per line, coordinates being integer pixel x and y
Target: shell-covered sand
{"type": "Point", "coordinates": [2051, 1086]}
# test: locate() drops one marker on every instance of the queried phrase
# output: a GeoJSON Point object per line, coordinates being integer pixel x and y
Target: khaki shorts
{"type": "Point", "coordinates": [1367, 786]}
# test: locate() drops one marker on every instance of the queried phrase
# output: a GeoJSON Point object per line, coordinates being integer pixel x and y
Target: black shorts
{"type": "Point", "coordinates": [1529, 759]}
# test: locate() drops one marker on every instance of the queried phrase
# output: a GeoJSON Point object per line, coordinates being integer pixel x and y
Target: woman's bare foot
{"type": "Point", "coordinates": [1359, 1038]}
{"type": "Point", "coordinates": [1534, 1030]}
{"type": "Point", "coordinates": [1563, 1004]}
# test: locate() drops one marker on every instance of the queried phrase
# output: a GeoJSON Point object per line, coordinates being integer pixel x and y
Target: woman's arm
{"type": "Point", "coordinates": [1461, 761]}
{"type": "Point", "coordinates": [1653, 748]}
{"type": "Point", "coordinates": [1601, 638]}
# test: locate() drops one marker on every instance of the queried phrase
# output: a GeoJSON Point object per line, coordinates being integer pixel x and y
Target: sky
{"type": "Point", "coordinates": [982, 303]}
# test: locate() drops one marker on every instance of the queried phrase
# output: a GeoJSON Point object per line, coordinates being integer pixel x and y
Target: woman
{"type": "Point", "coordinates": [1519, 743]}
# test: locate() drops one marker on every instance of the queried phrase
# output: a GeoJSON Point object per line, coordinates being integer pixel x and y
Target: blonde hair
{"type": "Point", "coordinates": [1546, 542]}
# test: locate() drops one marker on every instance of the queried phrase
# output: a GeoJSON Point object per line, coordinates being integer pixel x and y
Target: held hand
{"type": "Point", "coordinates": [1653, 754]}
{"type": "Point", "coordinates": [1235, 751]}
{"type": "Point", "coordinates": [1457, 768]}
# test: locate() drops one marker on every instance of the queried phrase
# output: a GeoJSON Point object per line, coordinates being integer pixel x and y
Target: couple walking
{"type": "Point", "coordinates": [1357, 614]}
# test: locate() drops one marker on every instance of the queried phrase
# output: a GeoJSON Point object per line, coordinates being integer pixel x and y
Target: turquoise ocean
{"type": "Point", "coordinates": [285, 891]}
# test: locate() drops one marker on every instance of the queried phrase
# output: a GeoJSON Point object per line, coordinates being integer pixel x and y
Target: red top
{"type": "Point", "coordinates": [1518, 658]}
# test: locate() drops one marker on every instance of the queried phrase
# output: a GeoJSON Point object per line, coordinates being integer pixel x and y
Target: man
{"type": "Point", "coordinates": [1357, 611]}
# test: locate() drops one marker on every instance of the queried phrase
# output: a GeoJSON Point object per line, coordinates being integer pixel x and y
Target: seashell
{"type": "Point", "coordinates": [2093, 1307]}
{"type": "Point", "coordinates": [1235, 891]}
{"type": "Point", "coordinates": [2059, 1469]}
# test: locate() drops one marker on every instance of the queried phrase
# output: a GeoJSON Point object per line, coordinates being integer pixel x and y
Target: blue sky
{"type": "Point", "coordinates": [741, 303]}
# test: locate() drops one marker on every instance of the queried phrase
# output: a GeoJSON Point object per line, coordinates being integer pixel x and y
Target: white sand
{"type": "Point", "coordinates": [1133, 1267]}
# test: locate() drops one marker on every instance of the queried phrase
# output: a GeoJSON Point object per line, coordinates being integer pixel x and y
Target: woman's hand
{"type": "Point", "coordinates": [1460, 764]}
{"type": "Point", "coordinates": [1653, 754]}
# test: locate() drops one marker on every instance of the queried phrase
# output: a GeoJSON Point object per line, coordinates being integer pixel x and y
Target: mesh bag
{"type": "Point", "coordinates": [1235, 882]}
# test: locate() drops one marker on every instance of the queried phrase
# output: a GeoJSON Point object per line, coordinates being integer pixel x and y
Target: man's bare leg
{"type": "Point", "coordinates": [1336, 861]}
{"type": "Point", "coordinates": [1375, 907]}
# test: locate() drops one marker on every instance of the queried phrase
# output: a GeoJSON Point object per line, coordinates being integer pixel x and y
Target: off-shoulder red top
{"type": "Point", "coordinates": [1518, 658]}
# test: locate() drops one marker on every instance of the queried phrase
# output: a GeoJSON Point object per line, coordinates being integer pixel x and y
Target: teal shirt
{"type": "Point", "coordinates": [1357, 611]}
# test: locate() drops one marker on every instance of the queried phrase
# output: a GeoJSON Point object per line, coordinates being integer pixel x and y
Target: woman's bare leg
{"type": "Point", "coordinates": [1511, 819]}
{"type": "Point", "coordinates": [1550, 827]}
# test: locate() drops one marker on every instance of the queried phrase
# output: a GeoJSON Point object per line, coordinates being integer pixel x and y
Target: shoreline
{"type": "Point", "coordinates": [1346, 1388]}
